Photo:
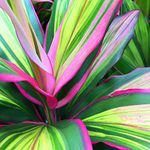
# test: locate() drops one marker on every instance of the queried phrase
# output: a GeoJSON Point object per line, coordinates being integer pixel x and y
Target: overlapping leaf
{"type": "Point", "coordinates": [122, 120]}
{"type": "Point", "coordinates": [10, 47]}
{"type": "Point", "coordinates": [28, 17]}
{"type": "Point", "coordinates": [58, 12]}
{"type": "Point", "coordinates": [14, 107]}
{"type": "Point", "coordinates": [11, 73]}
{"type": "Point", "coordinates": [134, 82]}
{"type": "Point", "coordinates": [82, 31]}
{"type": "Point", "coordinates": [34, 50]}
{"type": "Point", "coordinates": [138, 50]}
{"type": "Point", "coordinates": [34, 136]}
{"type": "Point", "coordinates": [118, 35]}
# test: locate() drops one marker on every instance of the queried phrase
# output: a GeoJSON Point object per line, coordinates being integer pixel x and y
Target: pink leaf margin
{"type": "Point", "coordinates": [116, 146]}
{"type": "Point", "coordinates": [85, 135]}
{"type": "Point", "coordinates": [22, 76]}
{"type": "Point", "coordinates": [43, 1]}
{"type": "Point", "coordinates": [87, 48]}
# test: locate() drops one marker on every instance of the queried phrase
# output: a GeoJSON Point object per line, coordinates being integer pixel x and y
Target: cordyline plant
{"type": "Point", "coordinates": [52, 92]}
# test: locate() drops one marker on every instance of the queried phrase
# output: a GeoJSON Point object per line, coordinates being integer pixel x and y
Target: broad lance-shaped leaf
{"type": "Point", "coordinates": [7, 74]}
{"type": "Point", "coordinates": [122, 120]}
{"type": "Point", "coordinates": [134, 82]}
{"type": "Point", "coordinates": [39, 137]}
{"type": "Point", "coordinates": [43, 72]}
{"type": "Point", "coordinates": [28, 24]}
{"type": "Point", "coordinates": [59, 9]}
{"type": "Point", "coordinates": [34, 20]}
{"type": "Point", "coordinates": [41, 61]}
{"type": "Point", "coordinates": [67, 93]}
{"type": "Point", "coordinates": [82, 30]}
{"type": "Point", "coordinates": [12, 102]}
{"type": "Point", "coordinates": [10, 47]}
{"type": "Point", "coordinates": [137, 52]}
{"type": "Point", "coordinates": [26, 14]}
{"type": "Point", "coordinates": [112, 49]}
{"type": "Point", "coordinates": [118, 35]}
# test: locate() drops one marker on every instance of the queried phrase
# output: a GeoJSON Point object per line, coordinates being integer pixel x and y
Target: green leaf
{"type": "Point", "coordinates": [13, 106]}
{"type": "Point", "coordinates": [25, 13]}
{"type": "Point", "coordinates": [122, 120]}
{"type": "Point", "coordinates": [138, 50]}
{"type": "Point", "coordinates": [33, 19]}
{"type": "Point", "coordinates": [59, 9]}
{"type": "Point", "coordinates": [79, 29]}
{"type": "Point", "coordinates": [145, 6]}
{"type": "Point", "coordinates": [118, 35]}
{"type": "Point", "coordinates": [30, 44]}
{"type": "Point", "coordinates": [136, 81]}
{"type": "Point", "coordinates": [39, 137]}
{"type": "Point", "coordinates": [10, 47]}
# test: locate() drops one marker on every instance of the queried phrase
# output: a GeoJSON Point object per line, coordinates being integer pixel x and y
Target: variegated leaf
{"type": "Point", "coordinates": [122, 120]}
{"type": "Point", "coordinates": [116, 38]}
{"type": "Point", "coordinates": [40, 136]}
{"type": "Point", "coordinates": [137, 52]}
{"type": "Point", "coordinates": [134, 82]}
{"type": "Point", "coordinates": [10, 47]}
{"type": "Point", "coordinates": [59, 9]}
{"type": "Point", "coordinates": [70, 48]}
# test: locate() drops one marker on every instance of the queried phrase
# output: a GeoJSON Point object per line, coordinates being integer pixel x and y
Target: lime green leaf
{"type": "Point", "coordinates": [118, 35]}
{"type": "Point", "coordinates": [59, 9]}
{"type": "Point", "coordinates": [116, 38]}
{"type": "Point", "coordinates": [26, 14]}
{"type": "Point", "coordinates": [34, 50]}
{"type": "Point", "coordinates": [38, 57]}
{"type": "Point", "coordinates": [33, 19]}
{"type": "Point", "coordinates": [39, 137]}
{"type": "Point", "coordinates": [10, 47]}
{"type": "Point", "coordinates": [83, 24]}
{"type": "Point", "coordinates": [122, 120]}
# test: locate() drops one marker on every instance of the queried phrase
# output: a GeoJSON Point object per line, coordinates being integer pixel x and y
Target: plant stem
{"type": "Point", "coordinates": [48, 113]}
{"type": "Point", "coordinates": [53, 115]}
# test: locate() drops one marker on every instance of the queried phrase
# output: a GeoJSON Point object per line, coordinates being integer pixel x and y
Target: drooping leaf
{"type": "Point", "coordinates": [34, 136]}
{"type": "Point", "coordinates": [9, 72]}
{"type": "Point", "coordinates": [122, 120]}
{"type": "Point", "coordinates": [134, 82]}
